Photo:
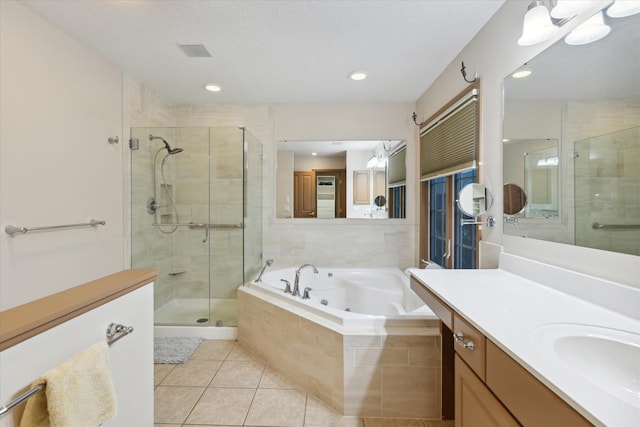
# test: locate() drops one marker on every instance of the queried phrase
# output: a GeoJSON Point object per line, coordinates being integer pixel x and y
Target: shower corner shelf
{"type": "Point", "coordinates": [177, 272]}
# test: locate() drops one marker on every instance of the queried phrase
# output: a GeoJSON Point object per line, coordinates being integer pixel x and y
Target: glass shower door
{"type": "Point", "coordinates": [169, 214]}
{"type": "Point", "coordinates": [607, 195]}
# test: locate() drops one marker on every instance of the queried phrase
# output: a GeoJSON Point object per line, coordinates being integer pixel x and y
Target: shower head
{"type": "Point", "coordinates": [166, 145]}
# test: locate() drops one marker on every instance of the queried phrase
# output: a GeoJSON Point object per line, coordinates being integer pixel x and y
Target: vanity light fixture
{"type": "Point", "coordinates": [589, 31]}
{"type": "Point", "coordinates": [541, 25]}
{"type": "Point", "coordinates": [212, 88]}
{"type": "Point", "coordinates": [358, 75]}
{"type": "Point", "coordinates": [565, 9]}
{"type": "Point", "coordinates": [623, 8]}
{"type": "Point", "coordinates": [537, 26]}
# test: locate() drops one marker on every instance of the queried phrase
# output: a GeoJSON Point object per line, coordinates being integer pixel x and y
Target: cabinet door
{"type": "Point", "coordinates": [476, 406]}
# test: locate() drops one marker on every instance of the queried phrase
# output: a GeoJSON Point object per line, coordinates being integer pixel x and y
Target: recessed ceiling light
{"type": "Point", "coordinates": [521, 74]}
{"type": "Point", "coordinates": [314, 154]}
{"type": "Point", "coordinates": [358, 75]}
{"type": "Point", "coordinates": [212, 88]}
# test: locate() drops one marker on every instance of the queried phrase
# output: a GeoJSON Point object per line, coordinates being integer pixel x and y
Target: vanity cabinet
{"type": "Point", "coordinates": [476, 406]}
{"type": "Point", "coordinates": [491, 388]}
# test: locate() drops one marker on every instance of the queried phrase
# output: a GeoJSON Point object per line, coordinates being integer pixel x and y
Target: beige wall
{"type": "Point", "coordinates": [60, 102]}
{"type": "Point", "coordinates": [495, 52]}
{"type": "Point", "coordinates": [342, 242]}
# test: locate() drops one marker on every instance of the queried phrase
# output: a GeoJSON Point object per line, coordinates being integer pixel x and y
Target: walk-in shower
{"type": "Point", "coordinates": [196, 216]}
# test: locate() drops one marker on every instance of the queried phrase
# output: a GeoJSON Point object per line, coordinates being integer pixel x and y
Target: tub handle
{"type": "Point", "coordinates": [305, 293]}
{"type": "Point", "coordinates": [459, 339]}
{"type": "Point", "coordinates": [287, 286]}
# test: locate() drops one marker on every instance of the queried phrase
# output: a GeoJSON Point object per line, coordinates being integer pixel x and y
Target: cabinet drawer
{"type": "Point", "coordinates": [441, 310]}
{"type": "Point", "coordinates": [469, 343]}
{"type": "Point", "coordinates": [524, 395]}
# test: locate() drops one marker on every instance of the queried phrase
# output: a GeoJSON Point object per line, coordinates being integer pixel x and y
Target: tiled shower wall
{"type": "Point", "coordinates": [588, 188]}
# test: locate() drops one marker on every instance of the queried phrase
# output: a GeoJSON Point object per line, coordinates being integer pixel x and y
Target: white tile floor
{"type": "Point", "coordinates": [224, 385]}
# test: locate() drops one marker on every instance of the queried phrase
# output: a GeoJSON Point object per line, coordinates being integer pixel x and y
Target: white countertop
{"type": "Point", "coordinates": [509, 308]}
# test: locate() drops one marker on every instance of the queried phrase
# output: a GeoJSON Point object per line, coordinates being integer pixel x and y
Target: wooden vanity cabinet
{"type": "Point", "coordinates": [491, 389]}
{"type": "Point", "coordinates": [476, 406]}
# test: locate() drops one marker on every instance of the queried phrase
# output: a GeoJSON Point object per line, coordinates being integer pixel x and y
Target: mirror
{"type": "Point", "coordinates": [474, 200]}
{"type": "Point", "coordinates": [572, 143]}
{"type": "Point", "coordinates": [380, 201]}
{"type": "Point", "coordinates": [514, 199]}
{"type": "Point", "coordinates": [532, 166]}
{"type": "Point", "coordinates": [340, 179]}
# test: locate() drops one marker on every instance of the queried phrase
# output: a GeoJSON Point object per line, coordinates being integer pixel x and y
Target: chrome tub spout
{"type": "Point", "coordinates": [296, 288]}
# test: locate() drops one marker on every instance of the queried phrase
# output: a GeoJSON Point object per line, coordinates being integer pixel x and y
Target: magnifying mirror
{"type": "Point", "coordinates": [380, 201]}
{"type": "Point", "coordinates": [475, 200]}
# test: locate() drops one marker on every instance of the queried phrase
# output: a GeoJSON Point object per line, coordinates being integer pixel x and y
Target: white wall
{"type": "Point", "coordinates": [59, 103]}
{"type": "Point", "coordinates": [496, 53]}
{"type": "Point", "coordinates": [284, 184]}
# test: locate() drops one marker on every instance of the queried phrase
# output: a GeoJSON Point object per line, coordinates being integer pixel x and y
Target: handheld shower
{"type": "Point", "coordinates": [166, 145]}
{"type": "Point", "coordinates": [152, 203]}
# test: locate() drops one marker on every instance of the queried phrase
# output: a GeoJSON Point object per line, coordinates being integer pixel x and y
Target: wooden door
{"type": "Point", "coordinates": [304, 194]}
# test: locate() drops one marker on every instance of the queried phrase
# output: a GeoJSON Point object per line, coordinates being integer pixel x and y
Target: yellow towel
{"type": "Point", "coordinates": [77, 393]}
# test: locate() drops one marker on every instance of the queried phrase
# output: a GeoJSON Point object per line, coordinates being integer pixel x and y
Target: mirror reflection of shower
{"type": "Point", "coordinates": [152, 203]}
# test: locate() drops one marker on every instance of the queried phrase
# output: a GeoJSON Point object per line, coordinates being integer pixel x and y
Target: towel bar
{"type": "Point", "coordinates": [24, 396]}
{"type": "Point", "coordinates": [115, 331]}
{"type": "Point", "coordinates": [11, 230]}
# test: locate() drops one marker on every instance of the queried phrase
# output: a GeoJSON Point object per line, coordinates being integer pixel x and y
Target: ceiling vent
{"type": "Point", "coordinates": [195, 50]}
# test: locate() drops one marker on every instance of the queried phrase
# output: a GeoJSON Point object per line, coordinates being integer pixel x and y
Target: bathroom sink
{"type": "Point", "coordinates": [607, 358]}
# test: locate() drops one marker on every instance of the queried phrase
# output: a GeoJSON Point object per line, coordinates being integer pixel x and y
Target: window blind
{"type": "Point", "coordinates": [397, 168]}
{"type": "Point", "coordinates": [449, 144]}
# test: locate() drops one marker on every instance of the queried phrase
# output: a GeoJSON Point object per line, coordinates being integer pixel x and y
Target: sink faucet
{"type": "Point", "coordinates": [296, 289]}
{"type": "Point", "coordinates": [267, 264]}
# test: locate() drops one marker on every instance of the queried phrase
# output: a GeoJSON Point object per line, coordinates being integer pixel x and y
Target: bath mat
{"type": "Point", "coordinates": [174, 349]}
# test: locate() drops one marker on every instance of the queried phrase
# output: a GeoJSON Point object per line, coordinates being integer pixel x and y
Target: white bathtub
{"type": "Point", "coordinates": [350, 297]}
{"type": "Point", "coordinates": [343, 357]}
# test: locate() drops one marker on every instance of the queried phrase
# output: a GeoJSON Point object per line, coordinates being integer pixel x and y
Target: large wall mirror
{"type": "Point", "coordinates": [571, 151]}
{"type": "Point", "coordinates": [341, 179]}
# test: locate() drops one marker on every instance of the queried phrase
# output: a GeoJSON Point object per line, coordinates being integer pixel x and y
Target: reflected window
{"type": "Point", "coordinates": [464, 247]}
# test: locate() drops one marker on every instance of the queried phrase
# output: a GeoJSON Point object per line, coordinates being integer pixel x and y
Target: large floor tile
{"type": "Point", "coordinates": [193, 373]}
{"type": "Point", "coordinates": [277, 407]}
{"type": "Point", "coordinates": [238, 374]}
{"type": "Point", "coordinates": [160, 372]}
{"type": "Point", "coordinates": [318, 414]}
{"type": "Point", "coordinates": [273, 379]}
{"type": "Point", "coordinates": [392, 422]}
{"type": "Point", "coordinates": [213, 350]}
{"type": "Point", "coordinates": [240, 353]}
{"type": "Point", "coordinates": [222, 406]}
{"type": "Point", "coordinates": [173, 404]}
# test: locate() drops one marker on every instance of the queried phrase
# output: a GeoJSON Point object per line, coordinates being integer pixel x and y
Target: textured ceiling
{"type": "Point", "coordinates": [276, 51]}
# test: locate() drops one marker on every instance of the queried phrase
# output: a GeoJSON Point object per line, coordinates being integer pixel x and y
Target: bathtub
{"type": "Point", "coordinates": [351, 297]}
{"type": "Point", "coordinates": [363, 342]}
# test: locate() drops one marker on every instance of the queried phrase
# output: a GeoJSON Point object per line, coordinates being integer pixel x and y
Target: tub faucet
{"type": "Point", "coordinates": [267, 264]}
{"type": "Point", "coordinates": [296, 288]}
